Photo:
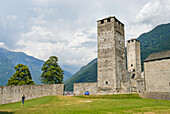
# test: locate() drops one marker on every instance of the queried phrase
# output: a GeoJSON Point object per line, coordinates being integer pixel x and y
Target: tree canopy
{"type": "Point", "coordinates": [52, 73]}
{"type": "Point", "coordinates": [22, 76]}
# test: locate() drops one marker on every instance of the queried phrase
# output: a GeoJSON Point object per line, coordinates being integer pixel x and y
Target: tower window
{"type": "Point", "coordinates": [108, 20]}
{"type": "Point", "coordinates": [102, 21]}
{"type": "Point", "coordinates": [132, 40]}
{"type": "Point", "coordinates": [133, 70]}
{"type": "Point", "coordinates": [106, 82]}
{"type": "Point", "coordinates": [129, 41]}
{"type": "Point", "coordinates": [131, 65]}
{"type": "Point", "coordinates": [133, 76]}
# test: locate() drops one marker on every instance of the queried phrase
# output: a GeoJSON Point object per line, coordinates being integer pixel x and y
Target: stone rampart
{"type": "Point", "coordinates": [81, 88]}
{"type": "Point", "coordinates": [9, 94]}
{"type": "Point", "coordinates": [156, 95]}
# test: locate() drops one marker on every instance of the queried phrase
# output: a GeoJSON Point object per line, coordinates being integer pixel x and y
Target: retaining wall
{"type": "Point", "coordinates": [156, 95]}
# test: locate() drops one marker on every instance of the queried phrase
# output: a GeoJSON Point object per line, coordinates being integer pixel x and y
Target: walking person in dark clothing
{"type": "Point", "coordinates": [23, 98]}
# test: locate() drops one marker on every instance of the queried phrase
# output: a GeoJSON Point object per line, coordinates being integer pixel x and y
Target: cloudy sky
{"type": "Point", "coordinates": [67, 28]}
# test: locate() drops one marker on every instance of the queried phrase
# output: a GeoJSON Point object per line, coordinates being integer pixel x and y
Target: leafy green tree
{"type": "Point", "coordinates": [52, 73]}
{"type": "Point", "coordinates": [22, 76]}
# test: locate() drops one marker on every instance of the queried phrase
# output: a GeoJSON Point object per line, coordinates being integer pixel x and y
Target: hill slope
{"type": "Point", "coordinates": [156, 40]}
{"type": "Point", "coordinates": [8, 59]}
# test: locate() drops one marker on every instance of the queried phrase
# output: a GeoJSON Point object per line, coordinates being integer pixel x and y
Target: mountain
{"type": "Point", "coordinates": [87, 73]}
{"type": "Point", "coordinates": [156, 40]}
{"type": "Point", "coordinates": [9, 59]}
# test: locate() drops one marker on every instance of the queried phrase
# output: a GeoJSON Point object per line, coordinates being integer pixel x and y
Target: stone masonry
{"type": "Point", "coordinates": [10, 94]}
{"type": "Point", "coordinates": [81, 88]}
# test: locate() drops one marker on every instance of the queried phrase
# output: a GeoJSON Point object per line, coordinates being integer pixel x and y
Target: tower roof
{"type": "Point", "coordinates": [158, 56]}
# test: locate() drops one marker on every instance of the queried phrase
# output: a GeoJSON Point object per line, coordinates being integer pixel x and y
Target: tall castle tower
{"type": "Point", "coordinates": [134, 60]}
{"type": "Point", "coordinates": [111, 55]}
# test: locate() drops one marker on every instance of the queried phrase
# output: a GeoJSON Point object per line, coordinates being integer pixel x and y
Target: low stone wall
{"type": "Point", "coordinates": [10, 94]}
{"type": "Point", "coordinates": [81, 88]}
{"type": "Point", "coordinates": [156, 95]}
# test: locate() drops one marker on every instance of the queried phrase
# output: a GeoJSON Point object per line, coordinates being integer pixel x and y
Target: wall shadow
{"type": "Point", "coordinates": [5, 112]}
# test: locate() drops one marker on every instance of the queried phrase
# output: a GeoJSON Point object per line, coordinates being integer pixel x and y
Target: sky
{"type": "Point", "coordinates": [68, 28]}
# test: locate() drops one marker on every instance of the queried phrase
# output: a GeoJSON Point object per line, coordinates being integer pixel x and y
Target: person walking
{"type": "Point", "coordinates": [23, 98]}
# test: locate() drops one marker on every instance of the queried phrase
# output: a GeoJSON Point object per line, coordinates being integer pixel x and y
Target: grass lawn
{"type": "Point", "coordinates": [124, 103]}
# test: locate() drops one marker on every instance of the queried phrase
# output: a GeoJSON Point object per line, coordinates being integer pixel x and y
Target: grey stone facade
{"type": "Point", "coordinates": [157, 72]}
{"type": "Point", "coordinates": [10, 94]}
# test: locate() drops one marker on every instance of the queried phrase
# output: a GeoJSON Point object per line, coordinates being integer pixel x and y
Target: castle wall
{"type": "Point", "coordinates": [81, 88]}
{"type": "Point", "coordinates": [157, 75]}
{"type": "Point", "coordinates": [9, 94]}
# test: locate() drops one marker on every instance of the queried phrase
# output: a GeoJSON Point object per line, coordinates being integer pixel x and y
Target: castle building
{"type": "Point", "coordinates": [134, 62]}
{"type": "Point", "coordinates": [157, 72]}
{"type": "Point", "coordinates": [112, 75]}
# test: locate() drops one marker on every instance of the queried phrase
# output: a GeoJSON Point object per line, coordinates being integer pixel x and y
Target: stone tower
{"type": "Point", "coordinates": [134, 61]}
{"type": "Point", "coordinates": [111, 55]}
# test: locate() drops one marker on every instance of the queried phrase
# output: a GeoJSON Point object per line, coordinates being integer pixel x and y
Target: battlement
{"type": "Point", "coordinates": [109, 19]}
{"type": "Point", "coordinates": [132, 40]}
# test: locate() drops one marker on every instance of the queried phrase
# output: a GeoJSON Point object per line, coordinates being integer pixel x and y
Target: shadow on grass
{"type": "Point", "coordinates": [5, 112]}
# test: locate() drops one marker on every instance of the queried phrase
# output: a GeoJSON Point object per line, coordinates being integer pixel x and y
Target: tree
{"type": "Point", "coordinates": [52, 73]}
{"type": "Point", "coordinates": [22, 76]}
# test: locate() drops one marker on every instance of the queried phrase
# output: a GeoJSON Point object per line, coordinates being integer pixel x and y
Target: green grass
{"type": "Point", "coordinates": [101, 104]}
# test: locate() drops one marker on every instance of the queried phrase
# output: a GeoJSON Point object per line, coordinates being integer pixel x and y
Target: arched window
{"type": "Point", "coordinates": [87, 93]}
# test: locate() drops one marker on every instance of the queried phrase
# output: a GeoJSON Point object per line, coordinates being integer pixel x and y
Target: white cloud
{"type": "Point", "coordinates": [153, 13]}
{"type": "Point", "coordinates": [67, 29]}
{"type": "Point", "coordinates": [156, 11]}
{"type": "Point", "coordinates": [3, 45]}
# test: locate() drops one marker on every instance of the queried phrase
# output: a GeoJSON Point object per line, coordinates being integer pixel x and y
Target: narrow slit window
{"type": "Point", "coordinates": [133, 76]}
